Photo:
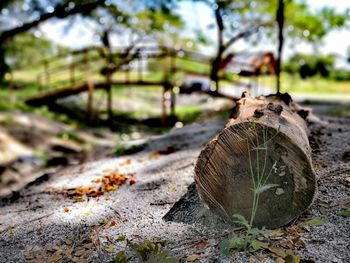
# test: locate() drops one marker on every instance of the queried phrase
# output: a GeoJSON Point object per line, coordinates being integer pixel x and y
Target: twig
{"type": "Point", "coordinates": [118, 214]}
{"type": "Point", "coordinates": [184, 166]}
{"type": "Point", "coordinates": [21, 210]}
{"type": "Point", "coordinates": [25, 223]}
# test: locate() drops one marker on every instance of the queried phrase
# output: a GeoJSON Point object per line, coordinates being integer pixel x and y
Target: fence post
{"type": "Point", "coordinates": [47, 73]}
{"type": "Point", "coordinates": [72, 73]}
{"type": "Point", "coordinates": [163, 100]}
{"type": "Point", "coordinates": [172, 101]}
{"type": "Point", "coordinates": [89, 108]}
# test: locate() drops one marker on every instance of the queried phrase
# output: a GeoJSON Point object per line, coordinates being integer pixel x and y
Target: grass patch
{"type": "Point", "coordinates": [187, 113]}
{"type": "Point", "coordinates": [314, 85]}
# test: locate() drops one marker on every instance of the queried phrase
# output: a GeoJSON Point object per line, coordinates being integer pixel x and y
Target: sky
{"type": "Point", "coordinates": [199, 15]}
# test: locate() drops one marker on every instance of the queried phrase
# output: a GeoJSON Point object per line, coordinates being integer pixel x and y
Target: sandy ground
{"type": "Point", "coordinates": [43, 223]}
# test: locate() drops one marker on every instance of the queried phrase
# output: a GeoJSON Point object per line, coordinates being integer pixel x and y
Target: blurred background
{"type": "Point", "coordinates": [84, 80]}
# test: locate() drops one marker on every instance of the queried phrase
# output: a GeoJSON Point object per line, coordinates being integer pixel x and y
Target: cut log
{"type": "Point", "coordinates": [261, 157]}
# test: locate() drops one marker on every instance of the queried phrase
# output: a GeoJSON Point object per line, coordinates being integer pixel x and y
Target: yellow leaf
{"type": "Point", "coordinates": [172, 188]}
{"type": "Point", "coordinates": [110, 249]}
{"type": "Point", "coordinates": [87, 214]}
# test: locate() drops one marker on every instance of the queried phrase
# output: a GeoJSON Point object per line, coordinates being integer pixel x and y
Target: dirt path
{"type": "Point", "coordinates": [49, 221]}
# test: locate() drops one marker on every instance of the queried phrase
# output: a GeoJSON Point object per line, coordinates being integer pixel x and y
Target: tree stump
{"type": "Point", "coordinates": [260, 164]}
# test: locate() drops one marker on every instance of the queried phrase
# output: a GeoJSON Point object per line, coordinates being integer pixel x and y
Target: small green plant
{"type": "Point", "coordinates": [248, 239]}
{"type": "Point", "coordinates": [147, 251]}
{"type": "Point", "coordinates": [244, 241]}
{"type": "Point", "coordinates": [345, 213]}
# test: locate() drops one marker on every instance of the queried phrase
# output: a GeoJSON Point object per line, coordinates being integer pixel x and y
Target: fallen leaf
{"type": "Point", "coordinates": [113, 223]}
{"type": "Point", "coordinates": [55, 258]}
{"type": "Point", "coordinates": [136, 232]}
{"type": "Point", "coordinates": [125, 162]}
{"type": "Point", "coordinates": [172, 188]}
{"type": "Point", "coordinates": [193, 257]}
{"type": "Point", "coordinates": [29, 248]}
{"type": "Point", "coordinates": [296, 230]}
{"type": "Point", "coordinates": [78, 199]}
{"type": "Point", "coordinates": [298, 242]}
{"type": "Point", "coordinates": [109, 249]}
{"type": "Point", "coordinates": [154, 155]}
{"type": "Point", "coordinates": [68, 252]}
{"type": "Point", "coordinates": [66, 209]}
{"type": "Point", "coordinates": [315, 222]}
{"type": "Point", "coordinates": [295, 258]}
{"type": "Point", "coordinates": [87, 214]}
{"type": "Point", "coordinates": [281, 252]}
{"type": "Point", "coordinates": [132, 181]}
{"type": "Point", "coordinates": [68, 242]}
{"type": "Point", "coordinates": [276, 234]}
{"type": "Point", "coordinates": [202, 245]}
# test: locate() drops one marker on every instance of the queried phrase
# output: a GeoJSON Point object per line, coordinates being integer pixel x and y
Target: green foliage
{"type": "Point", "coordinates": [147, 251]}
{"type": "Point", "coordinates": [340, 75]}
{"type": "Point", "coordinates": [245, 241]}
{"type": "Point", "coordinates": [121, 257]}
{"type": "Point", "coordinates": [310, 65]}
{"type": "Point", "coordinates": [302, 23]}
{"type": "Point", "coordinates": [307, 65]}
{"type": "Point", "coordinates": [345, 213]}
{"type": "Point", "coordinates": [26, 49]}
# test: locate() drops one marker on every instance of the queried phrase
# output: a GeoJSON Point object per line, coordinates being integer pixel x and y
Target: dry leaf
{"type": "Point", "coordinates": [193, 257]}
{"type": "Point", "coordinates": [154, 155]}
{"type": "Point", "coordinates": [68, 242]}
{"type": "Point", "coordinates": [132, 181]}
{"type": "Point", "coordinates": [202, 245]}
{"type": "Point", "coordinates": [109, 249]}
{"type": "Point", "coordinates": [66, 209]}
{"type": "Point", "coordinates": [281, 252]}
{"type": "Point", "coordinates": [276, 234]}
{"type": "Point", "coordinates": [125, 162]}
{"type": "Point", "coordinates": [55, 258]}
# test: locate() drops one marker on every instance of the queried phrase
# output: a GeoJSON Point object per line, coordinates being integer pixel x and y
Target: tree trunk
{"type": "Point", "coordinates": [3, 66]}
{"type": "Point", "coordinates": [214, 72]}
{"type": "Point", "coordinates": [215, 67]}
{"type": "Point", "coordinates": [280, 23]}
{"type": "Point", "coordinates": [259, 166]}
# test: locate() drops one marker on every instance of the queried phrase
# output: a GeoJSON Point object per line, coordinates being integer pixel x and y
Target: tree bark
{"type": "Point", "coordinates": [262, 157]}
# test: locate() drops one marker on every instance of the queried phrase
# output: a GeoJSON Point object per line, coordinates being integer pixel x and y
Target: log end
{"type": "Point", "coordinates": [249, 161]}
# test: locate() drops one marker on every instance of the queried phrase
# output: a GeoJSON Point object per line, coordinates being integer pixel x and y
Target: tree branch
{"type": "Point", "coordinates": [243, 34]}
{"type": "Point", "coordinates": [60, 11]}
